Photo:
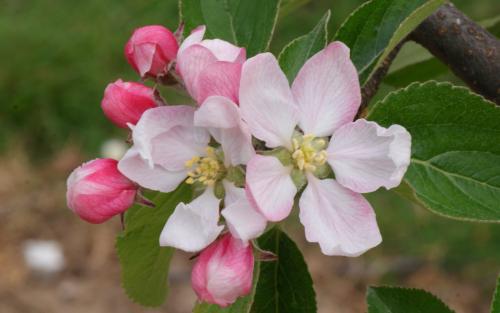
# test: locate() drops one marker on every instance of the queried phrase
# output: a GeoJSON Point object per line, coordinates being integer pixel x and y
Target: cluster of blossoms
{"type": "Point", "coordinates": [251, 146]}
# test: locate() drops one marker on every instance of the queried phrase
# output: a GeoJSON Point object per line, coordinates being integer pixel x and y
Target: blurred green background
{"type": "Point", "coordinates": [56, 57]}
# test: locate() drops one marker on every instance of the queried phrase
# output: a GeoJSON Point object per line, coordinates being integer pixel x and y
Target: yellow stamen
{"type": "Point", "coordinates": [205, 170]}
{"type": "Point", "coordinates": [309, 152]}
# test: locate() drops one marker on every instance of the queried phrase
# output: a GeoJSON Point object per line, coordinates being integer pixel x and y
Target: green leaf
{"type": "Point", "coordinates": [296, 53]}
{"type": "Point", "coordinates": [284, 285]}
{"type": "Point", "coordinates": [377, 26]}
{"type": "Point", "coordinates": [495, 304]}
{"type": "Point", "coordinates": [400, 300]}
{"type": "Point", "coordinates": [455, 161]}
{"type": "Point", "coordinates": [249, 24]}
{"type": "Point", "coordinates": [421, 71]}
{"type": "Point", "coordinates": [288, 6]}
{"type": "Point", "coordinates": [144, 263]}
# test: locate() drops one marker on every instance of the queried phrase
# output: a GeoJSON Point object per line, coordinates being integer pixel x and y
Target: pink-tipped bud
{"type": "Point", "coordinates": [97, 191]}
{"type": "Point", "coordinates": [223, 271]}
{"type": "Point", "coordinates": [124, 102]}
{"type": "Point", "coordinates": [151, 49]}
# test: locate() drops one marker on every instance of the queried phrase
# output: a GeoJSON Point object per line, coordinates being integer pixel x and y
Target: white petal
{"type": "Point", "coordinates": [193, 226]}
{"type": "Point", "coordinates": [222, 117]}
{"type": "Point", "coordinates": [157, 121]}
{"type": "Point", "coordinates": [269, 187]}
{"type": "Point", "coordinates": [243, 221]}
{"type": "Point", "coordinates": [366, 156]}
{"type": "Point", "coordinates": [327, 91]}
{"type": "Point", "coordinates": [232, 193]}
{"type": "Point", "coordinates": [156, 177]}
{"type": "Point", "coordinates": [173, 148]}
{"type": "Point", "coordinates": [340, 220]}
{"type": "Point", "coordinates": [266, 102]}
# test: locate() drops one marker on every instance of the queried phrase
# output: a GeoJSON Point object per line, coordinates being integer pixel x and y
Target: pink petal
{"type": "Point", "coordinates": [266, 102]}
{"type": "Point", "coordinates": [190, 63]}
{"type": "Point", "coordinates": [340, 220]}
{"type": "Point", "coordinates": [327, 91]}
{"type": "Point", "coordinates": [366, 156]}
{"type": "Point", "coordinates": [223, 271]}
{"type": "Point", "coordinates": [225, 51]}
{"type": "Point", "coordinates": [195, 37]}
{"type": "Point", "coordinates": [270, 187]}
{"type": "Point", "coordinates": [97, 191]}
{"type": "Point", "coordinates": [218, 79]}
{"type": "Point", "coordinates": [193, 226]}
{"type": "Point", "coordinates": [155, 177]}
{"type": "Point", "coordinates": [125, 102]}
{"type": "Point", "coordinates": [222, 117]}
{"type": "Point", "coordinates": [243, 221]}
{"type": "Point", "coordinates": [143, 56]}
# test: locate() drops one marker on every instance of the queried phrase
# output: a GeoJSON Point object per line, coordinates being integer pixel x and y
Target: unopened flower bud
{"type": "Point", "coordinates": [223, 271]}
{"type": "Point", "coordinates": [97, 191]}
{"type": "Point", "coordinates": [151, 49]}
{"type": "Point", "coordinates": [124, 102]}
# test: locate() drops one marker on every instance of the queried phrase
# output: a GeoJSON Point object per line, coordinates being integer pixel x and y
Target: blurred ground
{"type": "Point", "coordinates": [32, 206]}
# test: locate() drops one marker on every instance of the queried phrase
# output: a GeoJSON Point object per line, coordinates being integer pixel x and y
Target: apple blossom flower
{"type": "Point", "coordinates": [210, 67]}
{"type": "Point", "coordinates": [151, 49]}
{"type": "Point", "coordinates": [124, 102]}
{"type": "Point", "coordinates": [223, 271]}
{"type": "Point", "coordinates": [171, 145]}
{"type": "Point", "coordinates": [322, 102]}
{"type": "Point", "coordinates": [97, 191]}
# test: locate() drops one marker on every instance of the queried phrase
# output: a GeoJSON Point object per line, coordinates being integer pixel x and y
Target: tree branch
{"type": "Point", "coordinates": [470, 51]}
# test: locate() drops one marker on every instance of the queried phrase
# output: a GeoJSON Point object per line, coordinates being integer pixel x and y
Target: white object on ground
{"type": "Point", "coordinates": [45, 256]}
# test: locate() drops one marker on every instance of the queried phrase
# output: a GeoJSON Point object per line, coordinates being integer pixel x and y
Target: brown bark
{"type": "Point", "coordinates": [470, 51]}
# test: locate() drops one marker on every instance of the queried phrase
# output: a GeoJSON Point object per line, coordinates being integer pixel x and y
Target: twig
{"type": "Point", "coordinates": [371, 87]}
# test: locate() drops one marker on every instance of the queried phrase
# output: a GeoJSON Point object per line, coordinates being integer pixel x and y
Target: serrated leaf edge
{"type": "Point", "coordinates": [374, 288]}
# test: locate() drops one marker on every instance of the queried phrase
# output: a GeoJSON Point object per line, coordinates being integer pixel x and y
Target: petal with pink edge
{"type": "Point", "coordinates": [218, 79]}
{"type": "Point", "coordinates": [222, 117]}
{"type": "Point", "coordinates": [365, 156]}
{"type": "Point", "coordinates": [195, 37]}
{"type": "Point", "coordinates": [135, 168]}
{"type": "Point", "coordinates": [340, 220]}
{"type": "Point", "coordinates": [243, 221]}
{"type": "Point", "coordinates": [327, 91]}
{"type": "Point", "coordinates": [225, 51]}
{"type": "Point", "coordinates": [193, 226]}
{"type": "Point", "coordinates": [190, 63]}
{"type": "Point", "coordinates": [269, 187]}
{"type": "Point", "coordinates": [266, 102]}
{"type": "Point", "coordinates": [157, 121]}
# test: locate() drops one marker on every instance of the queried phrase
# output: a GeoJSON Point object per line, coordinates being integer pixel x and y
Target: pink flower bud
{"type": "Point", "coordinates": [150, 50]}
{"type": "Point", "coordinates": [223, 271]}
{"type": "Point", "coordinates": [124, 102]}
{"type": "Point", "coordinates": [97, 191]}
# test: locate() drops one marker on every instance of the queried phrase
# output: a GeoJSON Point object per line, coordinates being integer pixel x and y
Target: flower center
{"type": "Point", "coordinates": [205, 170]}
{"type": "Point", "coordinates": [309, 152]}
